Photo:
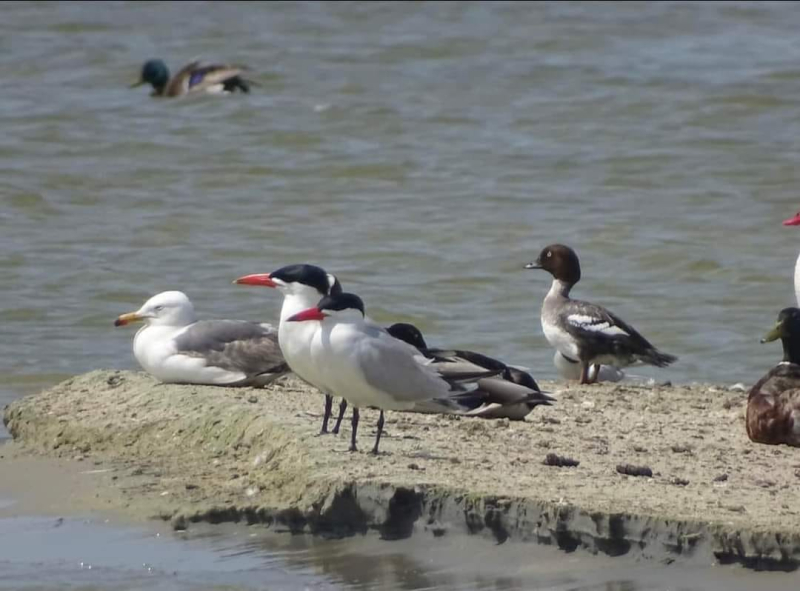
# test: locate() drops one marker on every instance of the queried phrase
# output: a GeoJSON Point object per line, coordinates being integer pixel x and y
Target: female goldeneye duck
{"type": "Point", "coordinates": [583, 331]}
{"type": "Point", "coordinates": [773, 405]}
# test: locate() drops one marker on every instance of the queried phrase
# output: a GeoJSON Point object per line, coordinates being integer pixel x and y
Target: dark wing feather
{"type": "Point", "coordinates": [234, 345]}
{"type": "Point", "coordinates": [510, 392]}
{"type": "Point", "coordinates": [197, 77]}
{"type": "Point", "coordinates": [179, 83]}
{"type": "Point", "coordinates": [507, 373]}
{"type": "Point", "coordinates": [604, 333]}
{"type": "Point", "coordinates": [773, 404]}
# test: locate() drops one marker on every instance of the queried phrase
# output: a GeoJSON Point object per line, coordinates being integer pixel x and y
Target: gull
{"type": "Point", "coordinates": [174, 346]}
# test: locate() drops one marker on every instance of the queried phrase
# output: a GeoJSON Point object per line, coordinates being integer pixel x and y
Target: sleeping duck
{"type": "Point", "coordinates": [773, 405]}
{"type": "Point", "coordinates": [193, 78]}
{"type": "Point", "coordinates": [512, 393]}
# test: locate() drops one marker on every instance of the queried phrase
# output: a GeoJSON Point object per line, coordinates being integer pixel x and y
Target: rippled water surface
{"type": "Point", "coordinates": [424, 152]}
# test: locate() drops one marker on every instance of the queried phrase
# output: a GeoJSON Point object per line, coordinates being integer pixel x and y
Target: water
{"type": "Point", "coordinates": [88, 553]}
{"type": "Point", "coordinates": [422, 151]}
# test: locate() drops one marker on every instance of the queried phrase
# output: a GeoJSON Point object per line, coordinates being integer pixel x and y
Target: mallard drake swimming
{"type": "Point", "coordinates": [192, 78]}
{"type": "Point", "coordinates": [773, 405]}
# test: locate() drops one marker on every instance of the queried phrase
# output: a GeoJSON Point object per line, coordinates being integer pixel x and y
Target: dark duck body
{"type": "Point", "coordinates": [585, 331]}
{"type": "Point", "coordinates": [773, 405]}
{"type": "Point", "coordinates": [192, 79]}
{"type": "Point", "coordinates": [510, 393]}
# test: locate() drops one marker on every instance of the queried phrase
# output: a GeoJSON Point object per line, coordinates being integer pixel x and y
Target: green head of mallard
{"type": "Point", "coordinates": [155, 73]}
{"type": "Point", "coordinates": [787, 326]}
{"type": "Point", "coordinates": [787, 329]}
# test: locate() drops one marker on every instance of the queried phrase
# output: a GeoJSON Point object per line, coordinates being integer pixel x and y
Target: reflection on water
{"type": "Point", "coordinates": [48, 553]}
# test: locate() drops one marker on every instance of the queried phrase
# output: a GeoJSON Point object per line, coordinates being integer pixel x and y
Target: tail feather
{"type": "Point", "coordinates": [659, 359]}
{"type": "Point", "coordinates": [493, 398]}
{"type": "Point", "coordinates": [238, 83]}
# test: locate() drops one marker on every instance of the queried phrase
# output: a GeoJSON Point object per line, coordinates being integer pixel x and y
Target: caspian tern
{"type": "Point", "coordinates": [302, 286]}
{"type": "Point", "coordinates": [512, 393]}
{"type": "Point", "coordinates": [361, 361]}
{"type": "Point", "coordinates": [795, 221]}
{"type": "Point", "coordinates": [584, 331]}
{"type": "Point", "coordinates": [174, 346]}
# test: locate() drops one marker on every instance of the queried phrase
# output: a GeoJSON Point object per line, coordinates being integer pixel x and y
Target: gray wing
{"type": "Point", "coordinates": [401, 371]}
{"type": "Point", "coordinates": [234, 345]}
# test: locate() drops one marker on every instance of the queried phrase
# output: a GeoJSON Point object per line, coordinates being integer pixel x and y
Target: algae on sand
{"type": "Point", "coordinates": [191, 453]}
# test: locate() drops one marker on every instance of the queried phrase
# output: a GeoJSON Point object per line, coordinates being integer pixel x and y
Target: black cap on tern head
{"type": "Point", "coordinates": [560, 261]}
{"type": "Point", "coordinates": [408, 333]}
{"type": "Point", "coordinates": [341, 301]}
{"type": "Point", "coordinates": [310, 275]}
{"type": "Point", "coordinates": [334, 287]}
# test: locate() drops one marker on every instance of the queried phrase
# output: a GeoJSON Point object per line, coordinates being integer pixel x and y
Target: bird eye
{"type": "Point", "coordinates": [159, 308]}
{"type": "Point", "coordinates": [549, 253]}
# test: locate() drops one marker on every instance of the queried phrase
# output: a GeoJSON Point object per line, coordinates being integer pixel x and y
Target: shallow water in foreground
{"type": "Point", "coordinates": [46, 553]}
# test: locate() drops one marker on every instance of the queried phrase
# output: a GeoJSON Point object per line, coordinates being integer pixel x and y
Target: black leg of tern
{"type": "Point", "coordinates": [355, 430]}
{"type": "Point", "coordinates": [342, 408]}
{"type": "Point", "coordinates": [378, 436]}
{"type": "Point", "coordinates": [326, 418]}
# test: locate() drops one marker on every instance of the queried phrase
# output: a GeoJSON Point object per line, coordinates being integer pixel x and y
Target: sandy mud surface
{"type": "Point", "coordinates": [195, 453]}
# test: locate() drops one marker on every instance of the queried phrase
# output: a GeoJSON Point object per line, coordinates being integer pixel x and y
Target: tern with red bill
{"type": "Point", "coordinates": [363, 363]}
{"type": "Point", "coordinates": [795, 221]}
{"type": "Point", "coordinates": [302, 287]}
{"type": "Point", "coordinates": [174, 346]}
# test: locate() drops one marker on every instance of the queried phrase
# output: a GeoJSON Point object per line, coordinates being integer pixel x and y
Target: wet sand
{"type": "Point", "coordinates": [192, 453]}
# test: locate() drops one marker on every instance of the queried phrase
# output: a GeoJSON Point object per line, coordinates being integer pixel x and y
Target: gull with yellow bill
{"type": "Point", "coordinates": [175, 347]}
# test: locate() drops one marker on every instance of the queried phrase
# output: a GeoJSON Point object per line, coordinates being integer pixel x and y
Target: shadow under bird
{"type": "Point", "coordinates": [773, 404]}
{"type": "Point", "coordinates": [175, 347]}
{"type": "Point", "coordinates": [512, 393]}
{"type": "Point", "coordinates": [302, 287]}
{"type": "Point", "coordinates": [194, 78]}
{"type": "Point", "coordinates": [362, 362]}
{"type": "Point", "coordinates": [584, 331]}
{"type": "Point", "coordinates": [570, 369]}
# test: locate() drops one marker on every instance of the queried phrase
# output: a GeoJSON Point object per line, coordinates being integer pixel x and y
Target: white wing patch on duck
{"type": "Point", "coordinates": [593, 324]}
